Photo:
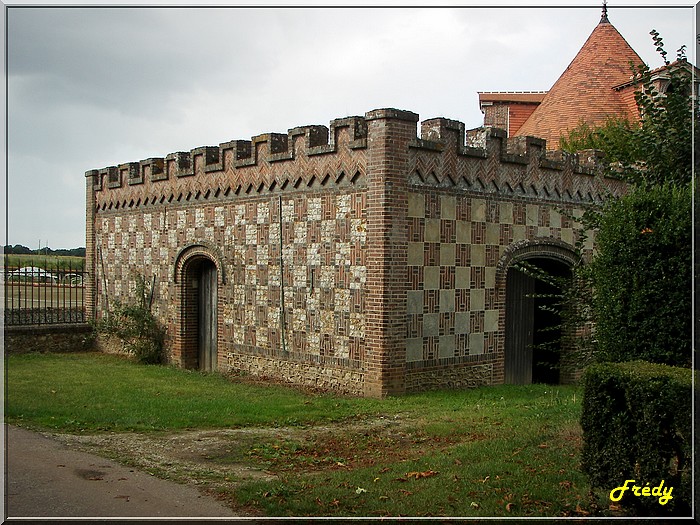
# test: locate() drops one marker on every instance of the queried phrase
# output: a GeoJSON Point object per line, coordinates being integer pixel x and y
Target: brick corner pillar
{"type": "Point", "coordinates": [389, 133]}
{"type": "Point", "coordinates": [90, 276]}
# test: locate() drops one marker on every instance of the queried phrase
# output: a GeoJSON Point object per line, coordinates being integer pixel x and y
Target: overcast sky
{"type": "Point", "coordinates": [91, 87]}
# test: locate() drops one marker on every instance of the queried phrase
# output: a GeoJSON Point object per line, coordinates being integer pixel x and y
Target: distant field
{"type": "Point", "coordinates": [47, 262]}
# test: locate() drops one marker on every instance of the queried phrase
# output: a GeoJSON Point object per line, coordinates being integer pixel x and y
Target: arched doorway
{"type": "Point", "coordinates": [532, 324]}
{"type": "Point", "coordinates": [199, 277]}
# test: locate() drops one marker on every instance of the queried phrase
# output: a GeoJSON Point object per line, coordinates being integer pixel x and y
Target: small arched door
{"type": "Point", "coordinates": [207, 318]}
{"type": "Point", "coordinates": [533, 327]}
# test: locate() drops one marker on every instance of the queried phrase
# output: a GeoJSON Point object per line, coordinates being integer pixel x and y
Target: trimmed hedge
{"type": "Point", "coordinates": [642, 277]}
{"type": "Point", "coordinates": [637, 425]}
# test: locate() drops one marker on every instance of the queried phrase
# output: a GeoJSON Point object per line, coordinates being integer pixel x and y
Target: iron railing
{"type": "Point", "coordinates": [44, 294]}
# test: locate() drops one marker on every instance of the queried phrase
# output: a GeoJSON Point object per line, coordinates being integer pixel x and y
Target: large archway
{"type": "Point", "coordinates": [532, 322]}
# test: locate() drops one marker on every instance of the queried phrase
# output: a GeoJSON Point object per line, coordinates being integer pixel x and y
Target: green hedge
{"type": "Point", "coordinates": [636, 421]}
{"type": "Point", "coordinates": [642, 277]}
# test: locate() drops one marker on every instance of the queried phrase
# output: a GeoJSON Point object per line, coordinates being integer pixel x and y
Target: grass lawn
{"type": "Point", "coordinates": [493, 451]}
{"type": "Point", "coordinates": [100, 392]}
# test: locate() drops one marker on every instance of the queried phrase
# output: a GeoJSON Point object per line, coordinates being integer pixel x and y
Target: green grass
{"type": "Point", "coordinates": [47, 262]}
{"type": "Point", "coordinates": [493, 451]}
{"type": "Point", "coordinates": [100, 392]}
{"type": "Point", "coordinates": [499, 451]}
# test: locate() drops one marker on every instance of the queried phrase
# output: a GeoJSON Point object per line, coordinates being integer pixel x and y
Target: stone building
{"type": "Point", "coordinates": [361, 257]}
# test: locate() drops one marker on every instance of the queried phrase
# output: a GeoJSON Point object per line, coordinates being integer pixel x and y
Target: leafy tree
{"type": "Point", "coordinates": [664, 139]}
{"type": "Point", "coordinates": [640, 276]}
{"type": "Point", "coordinates": [17, 249]}
{"type": "Point", "coordinates": [615, 137]}
{"type": "Point", "coordinates": [73, 252]}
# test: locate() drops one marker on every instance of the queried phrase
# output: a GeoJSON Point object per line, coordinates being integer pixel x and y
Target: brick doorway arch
{"type": "Point", "coordinates": [198, 277]}
{"type": "Point", "coordinates": [532, 346]}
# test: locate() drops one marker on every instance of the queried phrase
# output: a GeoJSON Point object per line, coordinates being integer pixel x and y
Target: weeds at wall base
{"type": "Point", "coordinates": [134, 325]}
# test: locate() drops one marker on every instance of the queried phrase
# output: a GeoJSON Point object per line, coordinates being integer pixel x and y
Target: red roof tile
{"type": "Point", "coordinates": [584, 91]}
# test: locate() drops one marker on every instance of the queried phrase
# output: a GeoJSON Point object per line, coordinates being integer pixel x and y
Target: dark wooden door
{"type": "Point", "coordinates": [207, 322]}
{"type": "Point", "coordinates": [520, 323]}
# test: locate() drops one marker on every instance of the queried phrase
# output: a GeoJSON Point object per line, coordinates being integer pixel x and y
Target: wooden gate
{"type": "Point", "coordinates": [520, 325]}
{"type": "Point", "coordinates": [207, 317]}
{"type": "Point", "coordinates": [533, 324]}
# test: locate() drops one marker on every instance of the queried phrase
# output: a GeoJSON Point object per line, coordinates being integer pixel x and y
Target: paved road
{"type": "Point", "coordinates": [44, 478]}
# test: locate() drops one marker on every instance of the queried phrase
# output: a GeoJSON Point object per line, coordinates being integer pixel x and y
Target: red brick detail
{"type": "Point", "coordinates": [389, 135]}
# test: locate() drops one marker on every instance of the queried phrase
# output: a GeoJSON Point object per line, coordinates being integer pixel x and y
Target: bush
{"type": "Point", "coordinates": [135, 325]}
{"type": "Point", "coordinates": [614, 137]}
{"type": "Point", "coordinates": [636, 420]}
{"type": "Point", "coordinates": [642, 277]}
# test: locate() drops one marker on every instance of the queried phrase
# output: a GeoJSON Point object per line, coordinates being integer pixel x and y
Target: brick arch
{"type": "Point", "coordinates": [201, 249]}
{"type": "Point", "coordinates": [188, 262]}
{"type": "Point", "coordinates": [545, 247]}
{"type": "Point", "coordinates": [539, 248]}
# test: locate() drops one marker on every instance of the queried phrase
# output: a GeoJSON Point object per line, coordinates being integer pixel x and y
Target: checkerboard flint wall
{"type": "Point", "coordinates": [359, 257]}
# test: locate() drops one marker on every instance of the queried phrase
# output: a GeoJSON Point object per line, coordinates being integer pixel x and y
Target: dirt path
{"type": "Point", "coordinates": [191, 457]}
{"type": "Point", "coordinates": [210, 464]}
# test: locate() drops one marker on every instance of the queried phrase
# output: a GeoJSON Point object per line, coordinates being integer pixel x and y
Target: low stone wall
{"type": "Point", "coordinates": [48, 338]}
{"type": "Point", "coordinates": [339, 380]}
{"type": "Point", "coordinates": [108, 344]}
{"type": "Point", "coordinates": [439, 376]}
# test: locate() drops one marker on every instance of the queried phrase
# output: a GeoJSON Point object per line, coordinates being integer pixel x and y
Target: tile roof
{"type": "Point", "coordinates": [584, 91]}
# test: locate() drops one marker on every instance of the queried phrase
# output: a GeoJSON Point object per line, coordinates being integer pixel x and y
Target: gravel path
{"type": "Point", "coordinates": [46, 478]}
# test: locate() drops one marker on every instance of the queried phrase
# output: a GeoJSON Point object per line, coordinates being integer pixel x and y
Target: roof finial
{"type": "Point", "coordinates": [604, 16]}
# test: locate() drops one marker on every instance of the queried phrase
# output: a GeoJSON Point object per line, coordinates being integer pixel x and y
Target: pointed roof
{"type": "Point", "coordinates": [584, 91]}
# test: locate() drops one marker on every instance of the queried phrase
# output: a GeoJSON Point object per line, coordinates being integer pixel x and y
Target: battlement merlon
{"type": "Point", "coordinates": [436, 134]}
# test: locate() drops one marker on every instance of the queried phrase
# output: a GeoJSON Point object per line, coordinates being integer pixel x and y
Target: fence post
{"type": "Point", "coordinates": [90, 275]}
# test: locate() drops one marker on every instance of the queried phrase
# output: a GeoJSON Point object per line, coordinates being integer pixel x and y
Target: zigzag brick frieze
{"type": "Point", "coordinates": [487, 162]}
{"type": "Point", "coordinates": [445, 156]}
{"type": "Point", "coordinates": [319, 156]}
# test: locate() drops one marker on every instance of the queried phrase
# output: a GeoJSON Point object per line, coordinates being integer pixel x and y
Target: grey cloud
{"type": "Point", "coordinates": [92, 87]}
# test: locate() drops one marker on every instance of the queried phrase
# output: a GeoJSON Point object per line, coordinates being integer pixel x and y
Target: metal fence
{"type": "Point", "coordinates": [44, 295]}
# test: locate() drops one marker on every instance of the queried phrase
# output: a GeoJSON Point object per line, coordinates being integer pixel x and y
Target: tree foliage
{"type": "Point", "coordinates": [615, 137]}
{"type": "Point", "coordinates": [640, 276]}
{"type": "Point", "coordinates": [20, 249]}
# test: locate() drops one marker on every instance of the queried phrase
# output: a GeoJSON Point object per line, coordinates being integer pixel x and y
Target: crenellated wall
{"type": "Point", "coordinates": [360, 257]}
{"type": "Point", "coordinates": [238, 168]}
